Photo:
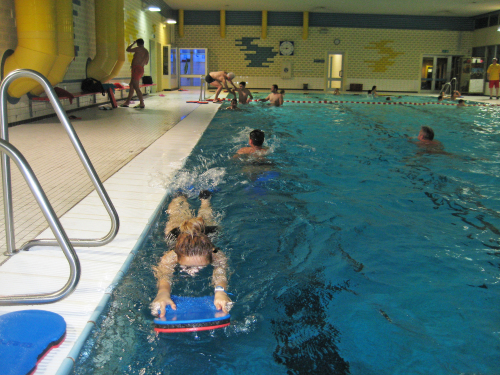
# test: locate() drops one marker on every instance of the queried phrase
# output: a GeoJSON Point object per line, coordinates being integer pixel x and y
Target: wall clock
{"type": "Point", "coordinates": [336, 41]}
{"type": "Point", "coordinates": [286, 48]}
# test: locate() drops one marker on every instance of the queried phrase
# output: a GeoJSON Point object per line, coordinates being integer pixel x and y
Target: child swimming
{"type": "Point", "coordinates": [193, 250]}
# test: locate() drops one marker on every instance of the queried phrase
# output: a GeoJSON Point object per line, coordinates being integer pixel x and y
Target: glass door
{"type": "Point", "coordinates": [193, 65]}
{"type": "Point", "coordinates": [435, 72]}
{"type": "Point", "coordinates": [335, 71]}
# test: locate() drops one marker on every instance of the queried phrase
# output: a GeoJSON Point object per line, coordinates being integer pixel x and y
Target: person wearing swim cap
{"type": "Point", "coordinates": [219, 80]}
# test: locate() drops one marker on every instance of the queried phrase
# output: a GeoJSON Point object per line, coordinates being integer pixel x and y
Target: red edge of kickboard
{"type": "Point", "coordinates": [191, 329]}
{"type": "Point", "coordinates": [47, 351]}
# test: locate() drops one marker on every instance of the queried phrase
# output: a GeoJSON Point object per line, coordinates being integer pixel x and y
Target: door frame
{"type": "Point", "coordinates": [327, 70]}
{"type": "Point", "coordinates": [434, 64]}
{"type": "Point", "coordinates": [191, 75]}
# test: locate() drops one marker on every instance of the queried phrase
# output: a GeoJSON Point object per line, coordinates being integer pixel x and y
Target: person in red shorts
{"type": "Point", "coordinates": [494, 76]}
{"type": "Point", "coordinates": [141, 58]}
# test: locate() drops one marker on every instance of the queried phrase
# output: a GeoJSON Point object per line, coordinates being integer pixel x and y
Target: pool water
{"type": "Point", "coordinates": [352, 249]}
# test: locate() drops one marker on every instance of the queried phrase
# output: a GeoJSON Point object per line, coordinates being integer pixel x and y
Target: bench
{"type": "Point", "coordinates": [78, 95]}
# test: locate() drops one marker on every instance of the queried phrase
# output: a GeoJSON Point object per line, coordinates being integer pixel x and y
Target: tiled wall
{"type": "Point", "coordinates": [138, 24]}
{"type": "Point", "coordinates": [390, 58]}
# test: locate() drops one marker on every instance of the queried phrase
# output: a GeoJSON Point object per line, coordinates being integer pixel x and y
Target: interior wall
{"type": "Point", "coordinates": [390, 59]}
{"type": "Point", "coordinates": [486, 37]}
{"type": "Point", "coordinates": [138, 24]}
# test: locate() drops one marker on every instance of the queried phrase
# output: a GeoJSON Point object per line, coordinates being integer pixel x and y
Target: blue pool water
{"type": "Point", "coordinates": [352, 249]}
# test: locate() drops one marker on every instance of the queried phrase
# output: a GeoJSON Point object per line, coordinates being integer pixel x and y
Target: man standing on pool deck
{"type": "Point", "coordinates": [494, 76]}
{"type": "Point", "coordinates": [275, 98]}
{"type": "Point", "coordinates": [256, 140]}
{"type": "Point", "coordinates": [219, 80]}
{"type": "Point", "coordinates": [141, 58]}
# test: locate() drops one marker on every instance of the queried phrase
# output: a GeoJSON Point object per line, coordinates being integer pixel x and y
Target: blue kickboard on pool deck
{"type": "Point", "coordinates": [192, 310]}
{"type": "Point", "coordinates": [25, 337]}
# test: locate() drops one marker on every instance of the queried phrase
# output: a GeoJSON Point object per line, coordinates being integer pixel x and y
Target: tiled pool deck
{"type": "Point", "coordinates": [127, 147]}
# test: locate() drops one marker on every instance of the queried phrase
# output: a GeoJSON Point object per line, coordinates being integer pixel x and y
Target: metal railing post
{"type": "Point", "coordinates": [55, 225]}
{"type": "Point", "coordinates": [6, 180]}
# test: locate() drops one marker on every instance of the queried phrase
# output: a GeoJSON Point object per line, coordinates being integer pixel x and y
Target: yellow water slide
{"type": "Point", "coordinates": [37, 43]}
{"type": "Point", "coordinates": [65, 44]}
{"type": "Point", "coordinates": [120, 36]}
{"type": "Point", "coordinates": [110, 40]}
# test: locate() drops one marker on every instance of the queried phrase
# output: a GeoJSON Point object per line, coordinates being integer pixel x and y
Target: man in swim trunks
{"type": "Point", "coordinates": [494, 76]}
{"type": "Point", "coordinates": [275, 98]}
{"type": "Point", "coordinates": [244, 94]}
{"type": "Point", "coordinates": [141, 58]}
{"type": "Point", "coordinates": [219, 80]}
{"type": "Point", "coordinates": [255, 141]}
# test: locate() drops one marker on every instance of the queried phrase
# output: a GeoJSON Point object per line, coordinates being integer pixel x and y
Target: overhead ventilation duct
{"type": "Point", "coordinates": [37, 43]}
{"type": "Point", "coordinates": [65, 44]}
{"type": "Point", "coordinates": [109, 25]}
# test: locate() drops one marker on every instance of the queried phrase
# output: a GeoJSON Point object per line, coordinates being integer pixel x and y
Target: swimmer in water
{"type": "Point", "coordinates": [193, 250]}
{"type": "Point", "coordinates": [256, 140]}
{"type": "Point", "coordinates": [275, 98]}
{"type": "Point", "coordinates": [244, 94]}
{"type": "Point", "coordinates": [461, 103]}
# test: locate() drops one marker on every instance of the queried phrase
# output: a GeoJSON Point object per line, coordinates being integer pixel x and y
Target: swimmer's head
{"type": "Point", "coordinates": [426, 134]}
{"type": "Point", "coordinates": [374, 88]}
{"type": "Point", "coordinates": [274, 88]}
{"type": "Point", "coordinates": [193, 226]}
{"type": "Point", "coordinates": [388, 98]}
{"type": "Point", "coordinates": [440, 97]}
{"type": "Point", "coordinates": [243, 83]}
{"type": "Point", "coordinates": [257, 137]}
{"type": "Point", "coordinates": [196, 247]}
{"type": "Point", "coordinates": [461, 103]}
{"type": "Point", "coordinates": [231, 75]}
{"type": "Point", "coordinates": [140, 42]}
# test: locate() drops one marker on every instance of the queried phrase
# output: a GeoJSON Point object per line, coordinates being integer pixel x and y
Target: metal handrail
{"type": "Point", "coordinates": [6, 178]}
{"type": "Point", "coordinates": [453, 89]}
{"type": "Point", "coordinates": [55, 225]}
{"type": "Point", "coordinates": [202, 89]}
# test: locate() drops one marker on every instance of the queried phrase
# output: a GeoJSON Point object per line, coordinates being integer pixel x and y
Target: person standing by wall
{"type": "Point", "coordinates": [494, 76]}
{"type": "Point", "coordinates": [141, 58]}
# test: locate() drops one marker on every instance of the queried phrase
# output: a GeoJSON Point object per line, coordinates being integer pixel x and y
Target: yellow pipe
{"type": "Point", "coordinates": [305, 26]}
{"type": "Point", "coordinates": [222, 23]}
{"type": "Point", "coordinates": [102, 65]}
{"type": "Point", "coordinates": [264, 24]}
{"type": "Point", "coordinates": [120, 36]}
{"type": "Point", "coordinates": [65, 44]}
{"type": "Point", "coordinates": [181, 23]}
{"type": "Point", "coordinates": [37, 43]}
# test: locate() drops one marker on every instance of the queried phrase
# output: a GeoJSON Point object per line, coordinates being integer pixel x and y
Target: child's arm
{"type": "Point", "coordinates": [163, 273]}
{"type": "Point", "coordinates": [219, 278]}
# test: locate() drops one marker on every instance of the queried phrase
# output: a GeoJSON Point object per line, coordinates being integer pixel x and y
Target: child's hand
{"type": "Point", "coordinates": [161, 302]}
{"type": "Point", "coordinates": [222, 302]}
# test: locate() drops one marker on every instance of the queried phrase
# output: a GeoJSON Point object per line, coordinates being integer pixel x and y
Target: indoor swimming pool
{"type": "Point", "coordinates": [353, 249]}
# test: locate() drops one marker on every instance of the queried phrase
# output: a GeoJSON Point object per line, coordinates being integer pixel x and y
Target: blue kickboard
{"type": "Point", "coordinates": [25, 336]}
{"type": "Point", "coordinates": [191, 310]}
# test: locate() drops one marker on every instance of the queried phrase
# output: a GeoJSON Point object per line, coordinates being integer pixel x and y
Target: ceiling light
{"type": "Point", "coordinates": [154, 9]}
{"type": "Point", "coordinates": [171, 21]}
{"type": "Point", "coordinates": [498, 28]}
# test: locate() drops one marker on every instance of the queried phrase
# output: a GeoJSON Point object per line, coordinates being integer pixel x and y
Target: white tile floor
{"type": "Point", "coordinates": [117, 142]}
{"type": "Point", "coordinates": [108, 137]}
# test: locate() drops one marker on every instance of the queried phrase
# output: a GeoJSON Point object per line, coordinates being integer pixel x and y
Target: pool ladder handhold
{"type": "Point", "coordinates": [8, 151]}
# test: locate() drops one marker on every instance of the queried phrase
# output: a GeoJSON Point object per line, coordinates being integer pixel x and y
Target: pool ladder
{"type": "Point", "coordinates": [8, 151]}
{"type": "Point", "coordinates": [451, 86]}
{"type": "Point", "coordinates": [202, 89]}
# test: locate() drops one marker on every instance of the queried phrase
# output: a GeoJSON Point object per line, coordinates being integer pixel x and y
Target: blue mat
{"type": "Point", "coordinates": [25, 338]}
{"type": "Point", "coordinates": [192, 314]}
